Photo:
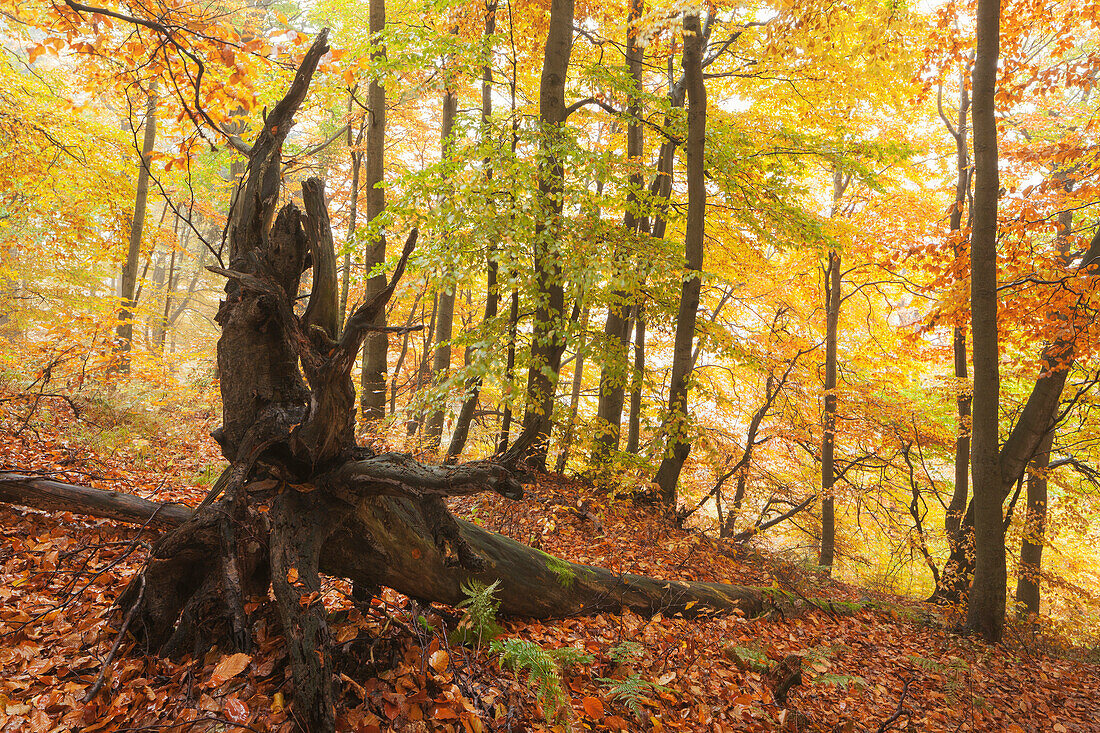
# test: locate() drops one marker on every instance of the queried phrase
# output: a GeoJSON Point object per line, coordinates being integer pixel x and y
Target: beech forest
{"type": "Point", "coordinates": [549, 365]}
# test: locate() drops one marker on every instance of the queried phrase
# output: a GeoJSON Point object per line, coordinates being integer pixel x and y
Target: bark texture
{"type": "Point", "coordinates": [986, 609]}
{"type": "Point", "coordinates": [668, 474]}
{"type": "Point", "coordinates": [614, 372]}
{"type": "Point", "coordinates": [375, 349]}
{"type": "Point", "coordinates": [124, 332]}
{"type": "Point", "coordinates": [547, 341]}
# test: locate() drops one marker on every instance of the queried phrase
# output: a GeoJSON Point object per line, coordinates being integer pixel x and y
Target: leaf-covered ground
{"type": "Point", "coordinates": [869, 663]}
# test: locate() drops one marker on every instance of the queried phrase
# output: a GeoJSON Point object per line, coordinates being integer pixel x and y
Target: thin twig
{"type": "Point", "coordinates": [101, 679]}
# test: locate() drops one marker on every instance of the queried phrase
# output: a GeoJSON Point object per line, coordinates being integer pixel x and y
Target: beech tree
{"type": "Point", "coordinates": [128, 281]}
{"type": "Point", "coordinates": [373, 380]}
{"type": "Point", "coordinates": [668, 474]}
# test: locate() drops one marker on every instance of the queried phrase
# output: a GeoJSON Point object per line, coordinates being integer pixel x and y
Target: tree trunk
{"type": "Point", "coordinates": [1034, 533]}
{"type": "Point", "coordinates": [668, 474]}
{"type": "Point", "coordinates": [509, 372]}
{"type": "Point", "coordinates": [373, 396]}
{"type": "Point", "coordinates": [386, 541]}
{"type": "Point", "coordinates": [444, 324]}
{"type": "Point", "coordinates": [962, 401]}
{"type": "Point", "coordinates": [353, 206]}
{"type": "Point", "coordinates": [986, 608]}
{"type": "Point", "coordinates": [575, 394]}
{"type": "Point", "coordinates": [547, 342]}
{"type": "Point", "coordinates": [614, 371]}
{"type": "Point", "coordinates": [492, 294]}
{"type": "Point", "coordinates": [124, 332]}
{"type": "Point", "coordinates": [828, 439]}
{"type": "Point", "coordinates": [423, 371]}
{"type": "Point", "coordinates": [637, 378]}
{"type": "Point", "coordinates": [828, 433]}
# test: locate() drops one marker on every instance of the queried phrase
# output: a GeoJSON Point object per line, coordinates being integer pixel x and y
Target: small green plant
{"type": "Point", "coordinates": [570, 657]}
{"type": "Point", "coordinates": [839, 680]}
{"type": "Point", "coordinates": [561, 569]}
{"type": "Point", "coordinates": [479, 618]}
{"type": "Point", "coordinates": [631, 692]}
{"type": "Point", "coordinates": [953, 672]}
{"type": "Point", "coordinates": [625, 652]}
{"type": "Point", "coordinates": [543, 668]}
{"type": "Point", "coordinates": [208, 476]}
{"type": "Point", "coordinates": [747, 657]}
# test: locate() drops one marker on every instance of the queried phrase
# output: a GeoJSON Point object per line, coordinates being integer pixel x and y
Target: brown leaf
{"type": "Point", "coordinates": [593, 707]}
{"type": "Point", "coordinates": [236, 711]}
{"type": "Point", "coordinates": [439, 660]}
{"type": "Point", "coordinates": [229, 667]}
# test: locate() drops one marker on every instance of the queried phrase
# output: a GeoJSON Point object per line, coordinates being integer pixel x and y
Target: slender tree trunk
{"type": "Point", "coordinates": [828, 440]}
{"type": "Point", "coordinates": [547, 341]}
{"type": "Point", "coordinates": [405, 347]}
{"type": "Point", "coordinates": [986, 610]}
{"type": "Point", "coordinates": [492, 293]}
{"type": "Point", "coordinates": [169, 289]}
{"type": "Point", "coordinates": [423, 371]}
{"type": "Point", "coordinates": [575, 394]}
{"type": "Point", "coordinates": [509, 371]}
{"type": "Point", "coordinates": [668, 474]}
{"type": "Point", "coordinates": [444, 325]}
{"type": "Point", "coordinates": [614, 371]}
{"type": "Point", "coordinates": [828, 437]}
{"type": "Point", "coordinates": [637, 378]}
{"type": "Point", "coordinates": [353, 208]}
{"type": "Point", "coordinates": [124, 333]}
{"type": "Point", "coordinates": [957, 506]}
{"type": "Point", "coordinates": [1034, 533]}
{"type": "Point", "coordinates": [375, 347]}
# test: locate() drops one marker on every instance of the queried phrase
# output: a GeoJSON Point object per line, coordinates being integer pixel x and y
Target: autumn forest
{"type": "Point", "coordinates": [507, 365]}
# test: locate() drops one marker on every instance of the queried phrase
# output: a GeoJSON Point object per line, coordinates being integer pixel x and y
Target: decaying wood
{"type": "Point", "coordinates": [386, 541]}
{"type": "Point", "coordinates": [50, 495]}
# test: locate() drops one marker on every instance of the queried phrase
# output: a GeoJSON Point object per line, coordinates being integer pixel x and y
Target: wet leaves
{"type": "Point", "coordinates": [396, 671]}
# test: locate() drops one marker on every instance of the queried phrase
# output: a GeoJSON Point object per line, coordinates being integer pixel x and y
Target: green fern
{"type": "Point", "coordinates": [631, 692]}
{"type": "Point", "coordinates": [479, 618]}
{"type": "Point", "coordinates": [625, 652]}
{"type": "Point", "coordinates": [751, 658]}
{"type": "Point", "coordinates": [839, 680]}
{"type": "Point", "coordinates": [570, 657]}
{"type": "Point", "coordinates": [543, 671]}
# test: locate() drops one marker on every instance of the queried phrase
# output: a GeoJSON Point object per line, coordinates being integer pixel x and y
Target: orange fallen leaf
{"type": "Point", "coordinates": [236, 711]}
{"type": "Point", "coordinates": [230, 666]}
{"type": "Point", "coordinates": [439, 660]}
{"type": "Point", "coordinates": [593, 707]}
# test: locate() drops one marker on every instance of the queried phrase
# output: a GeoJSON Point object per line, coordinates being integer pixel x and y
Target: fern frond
{"type": "Point", "coordinates": [542, 672]}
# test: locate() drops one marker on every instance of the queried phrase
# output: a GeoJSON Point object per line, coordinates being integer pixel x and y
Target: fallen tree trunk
{"type": "Point", "coordinates": [385, 541]}
{"type": "Point", "coordinates": [43, 493]}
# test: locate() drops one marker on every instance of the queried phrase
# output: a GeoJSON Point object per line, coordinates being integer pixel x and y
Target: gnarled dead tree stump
{"type": "Point", "coordinates": [300, 497]}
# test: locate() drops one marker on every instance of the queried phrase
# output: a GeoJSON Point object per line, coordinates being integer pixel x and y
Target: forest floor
{"type": "Point", "coordinates": [870, 662]}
